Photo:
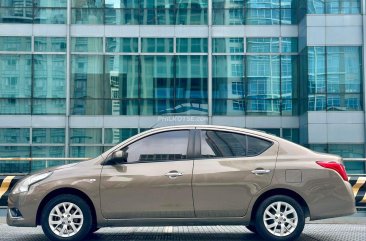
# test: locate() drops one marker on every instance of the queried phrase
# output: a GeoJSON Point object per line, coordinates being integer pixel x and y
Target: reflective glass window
{"type": "Point", "coordinates": [228, 77]}
{"type": "Point", "coordinates": [16, 74]}
{"type": "Point", "coordinates": [157, 16]}
{"type": "Point", "coordinates": [50, 3]}
{"type": "Point", "coordinates": [228, 4]}
{"type": "Point", "coordinates": [87, 4]}
{"type": "Point", "coordinates": [49, 16]}
{"type": "Point", "coordinates": [87, 76]}
{"type": "Point", "coordinates": [262, 16]}
{"type": "Point", "coordinates": [48, 151]}
{"type": "Point", "coordinates": [340, 102]}
{"type": "Point", "coordinates": [316, 70]}
{"type": "Point", "coordinates": [85, 151]}
{"type": "Point", "coordinates": [197, 15]}
{"type": "Point", "coordinates": [122, 3]}
{"type": "Point", "coordinates": [229, 106]}
{"type": "Point", "coordinates": [13, 106]}
{"type": "Point", "coordinates": [49, 44]}
{"type": "Point", "coordinates": [17, 14]}
{"type": "Point", "coordinates": [157, 45]}
{"type": "Point", "coordinates": [87, 16]}
{"type": "Point", "coordinates": [86, 135]}
{"type": "Point", "coordinates": [263, 45]}
{"type": "Point", "coordinates": [15, 43]}
{"type": "Point", "coordinates": [48, 106]}
{"type": "Point", "coordinates": [165, 146]}
{"type": "Point", "coordinates": [158, 3]}
{"type": "Point", "coordinates": [121, 77]}
{"type": "Point", "coordinates": [191, 77]}
{"type": "Point", "coordinates": [121, 16]}
{"type": "Point", "coordinates": [291, 134]}
{"type": "Point", "coordinates": [14, 135]}
{"type": "Point", "coordinates": [263, 76]}
{"type": "Point", "coordinates": [227, 45]}
{"type": "Point", "coordinates": [122, 45]}
{"type": "Point", "coordinates": [350, 151]}
{"type": "Point", "coordinates": [289, 45]}
{"type": "Point", "coordinates": [157, 77]}
{"type": "Point", "coordinates": [342, 6]}
{"type": "Point", "coordinates": [316, 6]}
{"type": "Point", "coordinates": [192, 45]}
{"type": "Point", "coordinates": [15, 151]}
{"type": "Point", "coordinates": [87, 81]}
{"type": "Point", "coordinates": [86, 44]}
{"type": "Point", "coordinates": [344, 70]}
{"type": "Point", "coordinates": [48, 135]}
{"type": "Point", "coordinates": [289, 85]}
{"type": "Point", "coordinates": [316, 102]}
{"type": "Point", "coordinates": [118, 107]}
{"type": "Point", "coordinates": [232, 16]}
{"type": "Point", "coordinates": [262, 3]}
{"type": "Point", "coordinates": [117, 135]}
{"type": "Point", "coordinates": [158, 107]}
{"type": "Point", "coordinates": [86, 106]}
{"type": "Point", "coordinates": [49, 76]}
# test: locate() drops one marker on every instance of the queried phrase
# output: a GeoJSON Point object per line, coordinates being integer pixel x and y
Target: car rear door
{"type": "Point", "coordinates": [229, 169]}
{"type": "Point", "coordinates": [154, 183]}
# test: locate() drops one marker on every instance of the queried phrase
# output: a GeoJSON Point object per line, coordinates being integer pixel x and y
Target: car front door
{"type": "Point", "coordinates": [223, 182]}
{"type": "Point", "coordinates": [155, 182]}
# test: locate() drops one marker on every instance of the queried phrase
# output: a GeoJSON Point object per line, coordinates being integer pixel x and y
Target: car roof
{"type": "Point", "coordinates": [216, 127]}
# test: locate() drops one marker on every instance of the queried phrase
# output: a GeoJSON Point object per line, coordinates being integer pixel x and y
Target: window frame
{"type": "Point", "coordinates": [198, 134]}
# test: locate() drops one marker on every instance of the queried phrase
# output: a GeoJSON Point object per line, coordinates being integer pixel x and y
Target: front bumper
{"type": "Point", "coordinates": [22, 210]}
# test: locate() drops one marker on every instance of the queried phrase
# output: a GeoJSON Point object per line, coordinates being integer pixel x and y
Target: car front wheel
{"type": "Point", "coordinates": [280, 218]}
{"type": "Point", "coordinates": [67, 218]}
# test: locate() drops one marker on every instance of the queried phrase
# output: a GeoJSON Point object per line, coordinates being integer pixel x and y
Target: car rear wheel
{"type": "Point", "coordinates": [280, 218]}
{"type": "Point", "coordinates": [67, 218]}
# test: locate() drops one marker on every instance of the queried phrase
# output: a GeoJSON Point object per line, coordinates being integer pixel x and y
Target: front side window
{"type": "Point", "coordinates": [216, 144]}
{"type": "Point", "coordinates": [165, 146]}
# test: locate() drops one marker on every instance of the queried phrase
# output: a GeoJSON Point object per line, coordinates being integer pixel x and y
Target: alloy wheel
{"type": "Point", "coordinates": [66, 219]}
{"type": "Point", "coordinates": [280, 218]}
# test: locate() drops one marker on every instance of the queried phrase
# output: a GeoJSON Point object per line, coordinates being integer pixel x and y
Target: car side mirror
{"type": "Point", "coordinates": [117, 157]}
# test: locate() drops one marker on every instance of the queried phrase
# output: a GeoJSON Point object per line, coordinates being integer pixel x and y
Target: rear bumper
{"type": "Point", "coordinates": [339, 202]}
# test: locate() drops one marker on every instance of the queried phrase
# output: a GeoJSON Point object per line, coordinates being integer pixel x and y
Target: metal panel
{"type": "Point", "coordinates": [345, 133]}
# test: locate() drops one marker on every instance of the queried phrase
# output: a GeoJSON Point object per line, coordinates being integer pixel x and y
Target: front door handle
{"type": "Point", "coordinates": [173, 174]}
{"type": "Point", "coordinates": [260, 171]}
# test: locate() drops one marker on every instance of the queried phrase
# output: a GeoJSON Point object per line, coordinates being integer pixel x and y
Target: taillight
{"type": "Point", "coordinates": [336, 167]}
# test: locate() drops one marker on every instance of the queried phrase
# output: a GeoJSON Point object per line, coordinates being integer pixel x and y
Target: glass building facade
{"type": "Point", "coordinates": [78, 76]}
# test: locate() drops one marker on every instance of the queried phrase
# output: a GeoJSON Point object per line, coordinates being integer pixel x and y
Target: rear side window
{"type": "Point", "coordinates": [215, 144]}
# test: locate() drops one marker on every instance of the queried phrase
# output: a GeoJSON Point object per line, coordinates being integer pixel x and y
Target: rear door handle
{"type": "Point", "coordinates": [260, 171]}
{"type": "Point", "coordinates": [173, 174]}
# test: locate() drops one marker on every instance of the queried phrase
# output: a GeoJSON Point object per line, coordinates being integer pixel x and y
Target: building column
{"type": "Point", "coordinates": [68, 75]}
{"type": "Point", "coordinates": [209, 59]}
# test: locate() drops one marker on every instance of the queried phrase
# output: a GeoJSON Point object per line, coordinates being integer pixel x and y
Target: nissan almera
{"type": "Point", "coordinates": [187, 175]}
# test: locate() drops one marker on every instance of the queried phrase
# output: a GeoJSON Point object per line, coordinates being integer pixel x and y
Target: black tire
{"type": "Point", "coordinates": [85, 227]}
{"type": "Point", "coordinates": [94, 229]}
{"type": "Point", "coordinates": [260, 223]}
{"type": "Point", "coordinates": [251, 228]}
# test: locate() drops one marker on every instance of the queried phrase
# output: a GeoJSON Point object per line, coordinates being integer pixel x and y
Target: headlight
{"type": "Point", "coordinates": [23, 186]}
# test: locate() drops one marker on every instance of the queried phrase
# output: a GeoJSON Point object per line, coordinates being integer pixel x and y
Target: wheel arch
{"type": "Point", "coordinates": [62, 191]}
{"type": "Point", "coordinates": [279, 191]}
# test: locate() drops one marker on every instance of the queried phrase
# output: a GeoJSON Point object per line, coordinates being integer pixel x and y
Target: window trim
{"type": "Point", "coordinates": [198, 135]}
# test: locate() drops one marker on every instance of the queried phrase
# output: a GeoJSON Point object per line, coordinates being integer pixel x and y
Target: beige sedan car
{"type": "Point", "coordinates": [187, 175]}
